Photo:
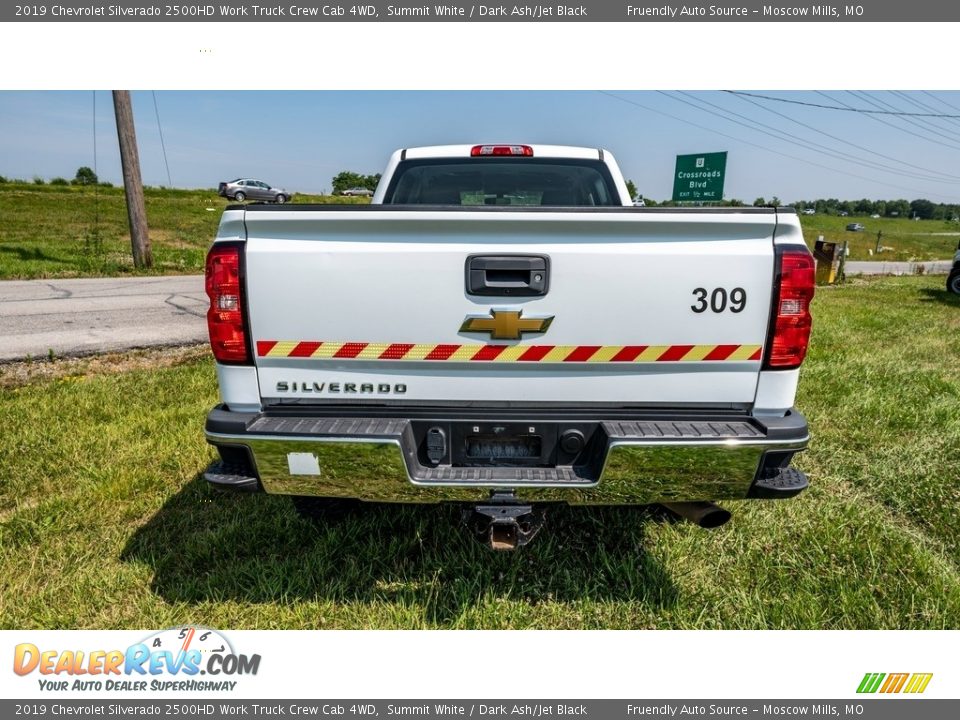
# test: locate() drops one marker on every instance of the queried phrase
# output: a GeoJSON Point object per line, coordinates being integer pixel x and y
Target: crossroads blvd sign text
{"type": "Point", "coordinates": [699, 178]}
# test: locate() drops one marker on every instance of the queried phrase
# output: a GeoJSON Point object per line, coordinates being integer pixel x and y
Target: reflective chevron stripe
{"type": "Point", "coordinates": [507, 353]}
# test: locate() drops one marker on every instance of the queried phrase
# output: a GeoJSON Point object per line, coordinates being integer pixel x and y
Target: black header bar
{"type": "Point", "coordinates": [640, 11]}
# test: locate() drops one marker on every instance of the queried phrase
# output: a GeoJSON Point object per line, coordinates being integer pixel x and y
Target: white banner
{"type": "Point", "coordinates": [196, 661]}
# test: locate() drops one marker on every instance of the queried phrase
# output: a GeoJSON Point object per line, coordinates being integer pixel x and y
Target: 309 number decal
{"type": "Point", "coordinates": [719, 300]}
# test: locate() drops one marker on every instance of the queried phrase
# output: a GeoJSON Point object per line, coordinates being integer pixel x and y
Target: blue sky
{"type": "Point", "coordinates": [299, 140]}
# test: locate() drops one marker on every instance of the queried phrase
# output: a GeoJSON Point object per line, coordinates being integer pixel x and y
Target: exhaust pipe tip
{"type": "Point", "coordinates": [703, 514]}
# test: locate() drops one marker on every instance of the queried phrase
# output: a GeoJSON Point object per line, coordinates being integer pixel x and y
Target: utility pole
{"type": "Point", "coordinates": [132, 184]}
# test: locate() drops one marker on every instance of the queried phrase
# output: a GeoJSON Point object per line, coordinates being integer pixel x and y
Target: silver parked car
{"type": "Point", "coordinates": [248, 189]}
{"type": "Point", "coordinates": [357, 192]}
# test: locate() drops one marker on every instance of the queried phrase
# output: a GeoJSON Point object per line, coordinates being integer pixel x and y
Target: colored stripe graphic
{"type": "Point", "coordinates": [445, 352]}
{"type": "Point", "coordinates": [894, 683]}
{"type": "Point", "coordinates": [870, 682]}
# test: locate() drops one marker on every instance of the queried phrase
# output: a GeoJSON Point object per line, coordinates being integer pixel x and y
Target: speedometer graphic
{"type": "Point", "coordinates": [183, 638]}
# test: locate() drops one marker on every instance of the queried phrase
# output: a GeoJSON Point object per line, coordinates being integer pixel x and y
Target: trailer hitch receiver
{"type": "Point", "coordinates": [504, 525]}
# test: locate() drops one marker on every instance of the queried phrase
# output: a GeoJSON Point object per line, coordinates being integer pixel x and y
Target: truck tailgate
{"type": "Point", "coordinates": [644, 308]}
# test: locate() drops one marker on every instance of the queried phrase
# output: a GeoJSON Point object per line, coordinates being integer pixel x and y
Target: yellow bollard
{"type": "Point", "coordinates": [824, 253]}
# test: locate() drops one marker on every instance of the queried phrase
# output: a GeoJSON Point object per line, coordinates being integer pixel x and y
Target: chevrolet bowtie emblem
{"type": "Point", "coordinates": [505, 324]}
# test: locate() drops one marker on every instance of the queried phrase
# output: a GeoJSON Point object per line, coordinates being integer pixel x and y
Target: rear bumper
{"type": "Point", "coordinates": [632, 458]}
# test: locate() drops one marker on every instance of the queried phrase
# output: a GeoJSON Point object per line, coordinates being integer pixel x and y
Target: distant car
{"type": "Point", "coordinates": [843, 213]}
{"type": "Point", "coordinates": [640, 203]}
{"type": "Point", "coordinates": [875, 216]}
{"type": "Point", "coordinates": [809, 211]}
{"type": "Point", "coordinates": [248, 189]}
{"type": "Point", "coordinates": [357, 192]}
{"type": "Point", "coordinates": [855, 227]}
{"type": "Point", "coordinates": [953, 279]}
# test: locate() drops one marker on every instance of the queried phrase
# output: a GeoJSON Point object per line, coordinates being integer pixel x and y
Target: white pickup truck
{"type": "Point", "coordinates": [502, 328]}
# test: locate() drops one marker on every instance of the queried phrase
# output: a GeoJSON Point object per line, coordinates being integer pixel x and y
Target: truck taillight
{"type": "Point", "coordinates": [501, 151]}
{"type": "Point", "coordinates": [791, 323]}
{"type": "Point", "coordinates": [228, 336]}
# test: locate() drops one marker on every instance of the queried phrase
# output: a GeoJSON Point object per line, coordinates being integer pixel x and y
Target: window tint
{"type": "Point", "coordinates": [502, 181]}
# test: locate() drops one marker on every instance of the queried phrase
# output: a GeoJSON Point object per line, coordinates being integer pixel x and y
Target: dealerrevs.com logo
{"type": "Point", "coordinates": [172, 659]}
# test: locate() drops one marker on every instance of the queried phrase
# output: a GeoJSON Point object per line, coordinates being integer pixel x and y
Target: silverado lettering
{"type": "Point", "coordinates": [317, 387]}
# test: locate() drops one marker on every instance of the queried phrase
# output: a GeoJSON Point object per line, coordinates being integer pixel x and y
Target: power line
{"type": "Point", "coordinates": [835, 107]}
{"type": "Point", "coordinates": [794, 137]}
{"type": "Point", "coordinates": [757, 145]}
{"type": "Point", "coordinates": [163, 147]}
{"type": "Point", "coordinates": [891, 125]}
{"type": "Point", "coordinates": [923, 106]}
{"type": "Point", "coordinates": [913, 101]}
{"type": "Point", "coordinates": [824, 149]}
{"type": "Point", "coordinates": [927, 125]}
{"type": "Point", "coordinates": [940, 100]}
{"type": "Point", "coordinates": [96, 184]}
{"type": "Point", "coordinates": [848, 142]}
{"type": "Point", "coordinates": [916, 123]}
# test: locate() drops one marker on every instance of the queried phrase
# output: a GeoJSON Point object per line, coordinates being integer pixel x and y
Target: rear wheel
{"type": "Point", "coordinates": [281, 199]}
{"type": "Point", "coordinates": [320, 509]}
{"type": "Point", "coordinates": [953, 282]}
{"type": "Point", "coordinates": [240, 197]}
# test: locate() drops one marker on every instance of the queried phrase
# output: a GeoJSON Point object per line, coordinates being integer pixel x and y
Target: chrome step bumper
{"type": "Point", "coordinates": [625, 461]}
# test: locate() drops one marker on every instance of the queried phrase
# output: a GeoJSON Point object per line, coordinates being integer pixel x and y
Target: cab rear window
{"type": "Point", "coordinates": [502, 181]}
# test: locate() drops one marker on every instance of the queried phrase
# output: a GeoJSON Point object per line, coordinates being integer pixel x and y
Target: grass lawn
{"type": "Point", "coordinates": [64, 231]}
{"type": "Point", "coordinates": [67, 231]}
{"type": "Point", "coordinates": [105, 522]}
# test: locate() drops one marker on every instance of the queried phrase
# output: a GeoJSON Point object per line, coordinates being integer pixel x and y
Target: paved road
{"type": "Point", "coordinates": [78, 317]}
{"type": "Point", "coordinates": [874, 267]}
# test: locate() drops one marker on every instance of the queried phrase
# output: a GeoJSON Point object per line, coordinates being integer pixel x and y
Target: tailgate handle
{"type": "Point", "coordinates": [512, 275]}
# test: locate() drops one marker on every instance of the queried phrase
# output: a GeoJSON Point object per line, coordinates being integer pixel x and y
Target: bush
{"type": "Point", "coordinates": [37, 180]}
{"type": "Point", "coordinates": [59, 181]}
{"type": "Point", "coordinates": [104, 183]}
{"type": "Point", "coordinates": [85, 176]}
{"type": "Point", "coordinates": [2, 179]}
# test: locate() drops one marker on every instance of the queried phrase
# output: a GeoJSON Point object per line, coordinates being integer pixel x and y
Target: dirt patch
{"type": "Point", "coordinates": [18, 374]}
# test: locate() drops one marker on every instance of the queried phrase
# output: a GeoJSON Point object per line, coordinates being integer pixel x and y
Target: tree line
{"type": "Point", "coordinates": [346, 180]}
{"type": "Point", "coordinates": [84, 176]}
{"type": "Point", "coordinates": [921, 208]}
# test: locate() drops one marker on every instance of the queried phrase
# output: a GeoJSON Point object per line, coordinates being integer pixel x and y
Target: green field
{"type": "Point", "coordinates": [105, 522]}
{"type": "Point", "coordinates": [906, 239]}
{"type": "Point", "coordinates": [66, 231]}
